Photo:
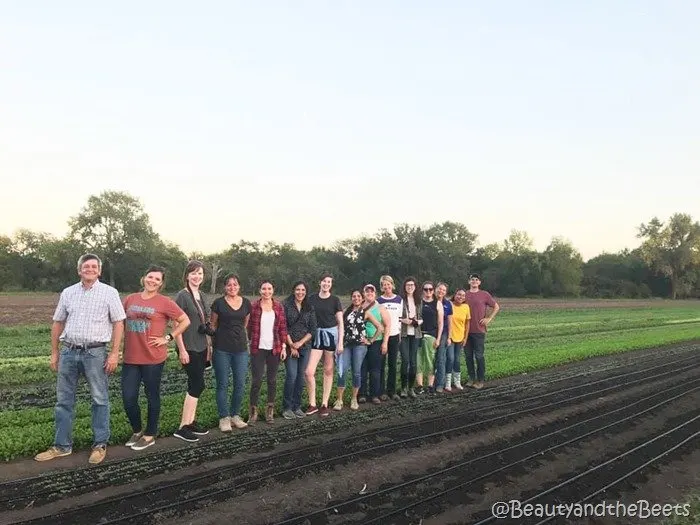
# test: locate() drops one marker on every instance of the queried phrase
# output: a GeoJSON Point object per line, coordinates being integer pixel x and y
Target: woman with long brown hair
{"type": "Point", "coordinates": [268, 345]}
{"type": "Point", "coordinates": [411, 321]}
{"type": "Point", "coordinates": [229, 319]}
{"type": "Point", "coordinates": [198, 349]}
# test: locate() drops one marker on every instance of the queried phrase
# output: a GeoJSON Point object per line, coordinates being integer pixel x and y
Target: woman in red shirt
{"type": "Point", "coordinates": [268, 336]}
{"type": "Point", "coordinates": [145, 352]}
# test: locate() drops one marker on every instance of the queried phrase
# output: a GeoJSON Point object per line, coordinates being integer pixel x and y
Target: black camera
{"type": "Point", "coordinates": [414, 321]}
{"type": "Point", "coordinates": [206, 329]}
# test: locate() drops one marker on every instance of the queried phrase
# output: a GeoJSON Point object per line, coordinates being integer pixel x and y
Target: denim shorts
{"type": "Point", "coordinates": [325, 339]}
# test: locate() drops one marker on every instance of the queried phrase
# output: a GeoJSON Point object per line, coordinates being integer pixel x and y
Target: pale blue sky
{"type": "Point", "coordinates": [309, 122]}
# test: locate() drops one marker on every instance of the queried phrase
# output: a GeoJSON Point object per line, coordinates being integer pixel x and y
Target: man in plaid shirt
{"type": "Point", "coordinates": [89, 314]}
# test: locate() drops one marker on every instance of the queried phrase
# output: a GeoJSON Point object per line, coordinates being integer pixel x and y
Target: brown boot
{"type": "Point", "coordinates": [270, 413]}
{"type": "Point", "coordinates": [252, 415]}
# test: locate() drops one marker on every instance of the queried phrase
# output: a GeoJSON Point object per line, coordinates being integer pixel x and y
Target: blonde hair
{"type": "Point", "coordinates": [388, 279]}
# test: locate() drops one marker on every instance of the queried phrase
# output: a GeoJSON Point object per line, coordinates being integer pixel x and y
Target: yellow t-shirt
{"type": "Point", "coordinates": [460, 318]}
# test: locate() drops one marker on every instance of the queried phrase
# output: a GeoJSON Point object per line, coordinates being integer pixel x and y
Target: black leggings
{"type": "Point", "coordinates": [195, 373]}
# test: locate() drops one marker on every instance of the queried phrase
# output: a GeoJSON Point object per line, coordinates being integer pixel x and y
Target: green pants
{"type": "Point", "coordinates": [426, 356]}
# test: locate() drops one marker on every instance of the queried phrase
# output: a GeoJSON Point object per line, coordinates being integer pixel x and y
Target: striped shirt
{"type": "Point", "coordinates": [394, 305]}
{"type": "Point", "coordinates": [88, 313]}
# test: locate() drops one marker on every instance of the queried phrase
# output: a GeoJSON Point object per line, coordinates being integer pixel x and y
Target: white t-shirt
{"type": "Point", "coordinates": [411, 304]}
{"type": "Point", "coordinates": [267, 323]}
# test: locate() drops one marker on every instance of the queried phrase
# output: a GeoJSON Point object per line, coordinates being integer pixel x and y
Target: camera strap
{"type": "Point", "coordinates": [199, 308]}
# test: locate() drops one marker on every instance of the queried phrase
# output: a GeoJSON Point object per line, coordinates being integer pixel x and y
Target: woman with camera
{"type": "Point", "coordinates": [411, 321]}
{"type": "Point", "coordinates": [268, 345]}
{"type": "Point", "coordinates": [198, 350]}
{"type": "Point", "coordinates": [229, 319]}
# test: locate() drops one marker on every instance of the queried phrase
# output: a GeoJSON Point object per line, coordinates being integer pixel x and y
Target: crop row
{"type": "Point", "coordinates": [24, 432]}
{"type": "Point", "coordinates": [33, 344]}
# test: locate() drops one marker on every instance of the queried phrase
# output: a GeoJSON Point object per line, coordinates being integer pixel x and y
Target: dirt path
{"type": "Point", "coordinates": [38, 308]}
{"type": "Point", "coordinates": [606, 429]}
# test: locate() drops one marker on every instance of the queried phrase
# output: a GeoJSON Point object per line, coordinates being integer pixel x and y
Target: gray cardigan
{"type": "Point", "coordinates": [419, 316]}
{"type": "Point", "coordinates": [194, 341]}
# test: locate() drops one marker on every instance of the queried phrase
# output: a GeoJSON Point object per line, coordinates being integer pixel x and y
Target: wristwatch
{"type": "Point", "coordinates": [169, 338]}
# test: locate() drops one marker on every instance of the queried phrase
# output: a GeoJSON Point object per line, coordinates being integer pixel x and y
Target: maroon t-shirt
{"type": "Point", "coordinates": [478, 301]}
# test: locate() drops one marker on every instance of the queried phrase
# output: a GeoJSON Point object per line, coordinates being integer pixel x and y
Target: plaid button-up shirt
{"type": "Point", "coordinates": [279, 330]}
{"type": "Point", "coordinates": [88, 313]}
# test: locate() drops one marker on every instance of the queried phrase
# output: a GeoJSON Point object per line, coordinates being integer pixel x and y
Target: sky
{"type": "Point", "coordinates": [309, 121]}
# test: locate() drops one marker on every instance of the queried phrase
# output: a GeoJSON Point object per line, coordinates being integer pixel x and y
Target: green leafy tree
{"type": "Point", "coordinates": [673, 249]}
{"type": "Point", "coordinates": [562, 269]}
{"type": "Point", "coordinates": [113, 224]}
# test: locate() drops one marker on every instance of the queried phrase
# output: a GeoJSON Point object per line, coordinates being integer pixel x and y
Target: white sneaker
{"type": "Point", "coordinates": [338, 405]}
{"type": "Point", "coordinates": [238, 422]}
{"type": "Point", "coordinates": [225, 424]}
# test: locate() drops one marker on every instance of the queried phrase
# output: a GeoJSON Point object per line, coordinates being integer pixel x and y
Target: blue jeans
{"type": "Point", "coordinates": [352, 357]}
{"type": "Point", "coordinates": [71, 365]}
{"type": "Point", "coordinates": [440, 357]}
{"type": "Point", "coordinates": [223, 363]}
{"type": "Point", "coordinates": [474, 351]}
{"type": "Point", "coordinates": [452, 362]}
{"type": "Point", "coordinates": [294, 379]}
{"type": "Point", "coordinates": [132, 376]}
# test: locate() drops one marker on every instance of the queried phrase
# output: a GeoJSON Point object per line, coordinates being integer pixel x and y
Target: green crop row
{"type": "Point", "coordinates": [25, 432]}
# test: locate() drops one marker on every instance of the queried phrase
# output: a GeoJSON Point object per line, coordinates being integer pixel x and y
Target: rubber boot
{"type": "Point", "coordinates": [448, 383]}
{"type": "Point", "coordinates": [457, 380]}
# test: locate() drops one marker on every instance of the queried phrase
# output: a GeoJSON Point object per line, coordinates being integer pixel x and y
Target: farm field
{"type": "Point", "coordinates": [585, 398]}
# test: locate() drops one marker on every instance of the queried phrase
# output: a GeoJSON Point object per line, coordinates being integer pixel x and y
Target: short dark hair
{"type": "Point", "coordinates": [325, 275]}
{"type": "Point", "coordinates": [474, 276]}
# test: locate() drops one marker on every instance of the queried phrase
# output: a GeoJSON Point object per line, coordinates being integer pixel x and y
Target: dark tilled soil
{"type": "Point", "coordinates": [19, 309]}
{"type": "Point", "coordinates": [544, 437]}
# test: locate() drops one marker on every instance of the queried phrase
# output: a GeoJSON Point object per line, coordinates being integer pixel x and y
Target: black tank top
{"type": "Point", "coordinates": [429, 313]}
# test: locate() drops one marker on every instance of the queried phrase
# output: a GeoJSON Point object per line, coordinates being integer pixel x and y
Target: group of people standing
{"type": "Point", "coordinates": [362, 342]}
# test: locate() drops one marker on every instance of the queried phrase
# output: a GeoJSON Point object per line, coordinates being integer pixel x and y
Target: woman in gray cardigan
{"type": "Point", "coordinates": [198, 349]}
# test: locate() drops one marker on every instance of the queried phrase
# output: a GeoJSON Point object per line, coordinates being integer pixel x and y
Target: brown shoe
{"type": "Point", "coordinates": [270, 413]}
{"type": "Point", "coordinates": [52, 453]}
{"type": "Point", "coordinates": [252, 415]}
{"type": "Point", "coordinates": [98, 454]}
{"type": "Point", "coordinates": [479, 385]}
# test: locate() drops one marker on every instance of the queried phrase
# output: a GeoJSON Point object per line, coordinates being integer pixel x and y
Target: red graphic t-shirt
{"type": "Point", "coordinates": [146, 318]}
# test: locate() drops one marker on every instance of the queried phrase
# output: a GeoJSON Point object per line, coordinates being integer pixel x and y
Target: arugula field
{"type": "Point", "coordinates": [519, 341]}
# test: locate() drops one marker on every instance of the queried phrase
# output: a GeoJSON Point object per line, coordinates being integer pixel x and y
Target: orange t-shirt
{"type": "Point", "coordinates": [146, 318]}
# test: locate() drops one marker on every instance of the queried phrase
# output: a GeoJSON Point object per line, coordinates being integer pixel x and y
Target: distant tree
{"type": "Point", "coordinates": [113, 224]}
{"type": "Point", "coordinates": [561, 269]}
{"type": "Point", "coordinates": [673, 249]}
{"type": "Point", "coordinates": [518, 243]}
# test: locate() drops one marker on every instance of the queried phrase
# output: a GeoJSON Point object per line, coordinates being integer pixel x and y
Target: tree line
{"type": "Point", "coordinates": [116, 227]}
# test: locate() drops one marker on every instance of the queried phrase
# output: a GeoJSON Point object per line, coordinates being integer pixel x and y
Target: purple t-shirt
{"type": "Point", "coordinates": [478, 301]}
